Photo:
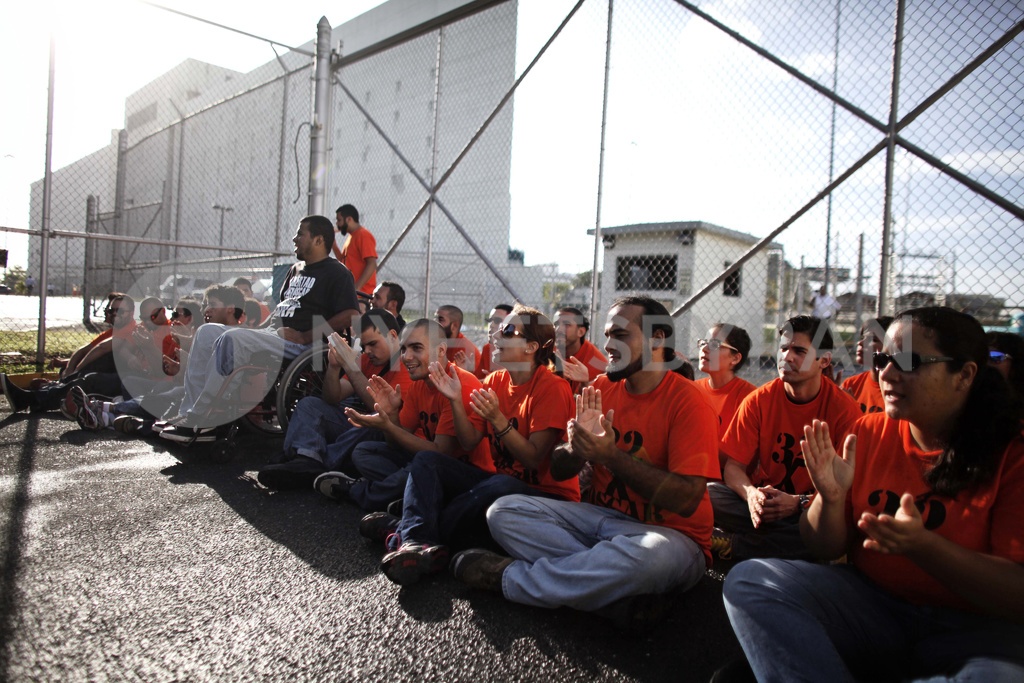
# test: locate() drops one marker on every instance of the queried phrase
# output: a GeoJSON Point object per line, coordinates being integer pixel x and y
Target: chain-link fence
{"type": "Point", "coordinates": [741, 162]}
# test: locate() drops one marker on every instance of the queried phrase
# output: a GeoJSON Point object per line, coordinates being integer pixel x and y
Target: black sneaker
{"type": "Point", "coordinates": [85, 412]}
{"type": "Point", "coordinates": [480, 568]}
{"type": "Point", "coordinates": [334, 485]}
{"type": "Point", "coordinates": [17, 398]}
{"type": "Point", "coordinates": [128, 424]}
{"type": "Point", "coordinates": [395, 507]}
{"type": "Point", "coordinates": [192, 435]}
{"type": "Point", "coordinates": [293, 475]}
{"type": "Point", "coordinates": [377, 526]}
{"type": "Point", "coordinates": [411, 561]}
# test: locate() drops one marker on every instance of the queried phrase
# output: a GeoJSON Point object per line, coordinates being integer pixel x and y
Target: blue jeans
{"type": "Point", "coordinates": [384, 470]}
{"type": "Point", "coordinates": [446, 501]}
{"type": "Point", "coordinates": [321, 431]}
{"type": "Point", "coordinates": [780, 538]}
{"type": "Point", "coordinates": [216, 351]}
{"type": "Point", "coordinates": [799, 621]}
{"type": "Point", "coordinates": [585, 556]}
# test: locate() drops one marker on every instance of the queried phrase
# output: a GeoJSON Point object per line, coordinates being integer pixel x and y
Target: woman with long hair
{"type": "Point", "coordinates": [927, 501]}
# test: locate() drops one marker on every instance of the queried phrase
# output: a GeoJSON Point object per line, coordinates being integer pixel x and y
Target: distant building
{"type": "Point", "coordinates": [672, 261]}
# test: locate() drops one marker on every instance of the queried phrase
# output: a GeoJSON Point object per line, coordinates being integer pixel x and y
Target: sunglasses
{"type": "Point", "coordinates": [181, 314]}
{"type": "Point", "coordinates": [714, 344]}
{"type": "Point", "coordinates": [155, 315]}
{"type": "Point", "coordinates": [998, 357]}
{"type": "Point", "coordinates": [509, 331]}
{"type": "Point", "coordinates": [906, 361]}
{"type": "Point", "coordinates": [112, 311]}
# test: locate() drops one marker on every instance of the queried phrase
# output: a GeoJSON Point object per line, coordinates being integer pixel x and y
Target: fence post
{"type": "Point", "coordinates": [433, 173]}
{"type": "Point", "coordinates": [317, 134]}
{"type": "Point", "coordinates": [44, 242]}
{"type": "Point", "coordinates": [600, 179]}
{"type": "Point", "coordinates": [885, 302]}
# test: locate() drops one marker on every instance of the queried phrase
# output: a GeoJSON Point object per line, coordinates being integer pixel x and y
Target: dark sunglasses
{"type": "Point", "coordinates": [905, 361]}
{"type": "Point", "coordinates": [508, 331]}
{"type": "Point", "coordinates": [114, 311]}
{"type": "Point", "coordinates": [181, 314]}
{"type": "Point", "coordinates": [998, 357]}
{"type": "Point", "coordinates": [714, 344]}
{"type": "Point", "coordinates": [156, 314]}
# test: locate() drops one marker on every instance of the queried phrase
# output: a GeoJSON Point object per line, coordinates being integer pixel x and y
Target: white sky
{"type": "Point", "coordinates": [93, 67]}
{"type": "Point", "coordinates": [687, 137]}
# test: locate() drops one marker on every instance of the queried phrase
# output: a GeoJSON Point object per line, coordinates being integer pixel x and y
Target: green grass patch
{"type": "Point", "coordinates": [19, 348]}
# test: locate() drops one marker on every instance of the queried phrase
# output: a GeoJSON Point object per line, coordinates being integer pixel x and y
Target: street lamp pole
{"type": "Point", "coordinates": [220, 241]}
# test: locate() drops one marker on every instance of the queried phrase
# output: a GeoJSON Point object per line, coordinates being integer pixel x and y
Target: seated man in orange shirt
{"type": "Point", "coordinates": [864, 387]}
{"type": "Point", "coordinates": [320, 437]}
{"type": "Point", "coordinates": [494, 320]}
{"type": "Point", "coordinates": [646, 529]}
{"type": "Point", "coordinates": [461, 351]}
{"type": "Point", "coordinates": [577, 360]}
{"type": "Point", "coordinates": [758, 514]}
{"type": "Point", "coordinates": [413, 418]}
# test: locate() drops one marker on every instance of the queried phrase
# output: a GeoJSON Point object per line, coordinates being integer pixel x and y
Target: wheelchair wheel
{"type": "Point", "coordinates": [262, 419]}
{"type": "Point", "coordinates": [303, 377]}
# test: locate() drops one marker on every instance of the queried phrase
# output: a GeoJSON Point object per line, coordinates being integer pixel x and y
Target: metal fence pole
{"type": "Point", "coordinates": [44, 242]}
{"type": "Point", "coordinates": [433, 172]}
{"type": "Point", "coordinates": [317, 134]}
{"type": "Point", "coordinates": [885, 302]}
{"type": "Point", "coordinates": [600, 177]}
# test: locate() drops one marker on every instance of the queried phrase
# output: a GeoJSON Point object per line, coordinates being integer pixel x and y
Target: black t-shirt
{"type": "Point", "coordinates": [321, 289]}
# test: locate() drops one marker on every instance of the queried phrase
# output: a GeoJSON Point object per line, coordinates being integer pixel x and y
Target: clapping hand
{"type": "Point", "coordinates": [447, 383]}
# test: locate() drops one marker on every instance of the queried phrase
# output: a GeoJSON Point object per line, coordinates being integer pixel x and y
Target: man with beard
{"type": "Point", "coordinates": [579, 361]}
{"type": "Point", "coordinates": [652, 440]}
{"type": "Point", "coordinates": [461, 351]}
{"type": "Point", "coordinates": [320, 437]}
{"type": "Point", "coordinates": [765, 485]}
{"type": "Point", "coordinates": [390, 296]}
{"type": "Point", "coordinates": [358, 249]}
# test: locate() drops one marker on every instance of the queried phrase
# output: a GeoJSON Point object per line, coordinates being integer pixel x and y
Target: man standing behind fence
{"type": "Point", "coordinates": [358, 250]}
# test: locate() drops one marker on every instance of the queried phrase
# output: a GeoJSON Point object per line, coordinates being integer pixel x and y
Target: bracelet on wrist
{"type": "Point", "coordinates": [503, 432]}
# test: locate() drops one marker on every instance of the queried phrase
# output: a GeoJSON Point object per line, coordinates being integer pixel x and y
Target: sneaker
{"type": "Point", "coordinates": [161, 425]}
{"type": "Point", "coordinates": [395, 507]}
{"type": "Point", "coordinates": [68, 407]}
{"type": "Point", "coordinates": [406, 565]}
{"type": "Point", "coordinates": [296, 474]}
{"type": "Point", "coordinates": [17, 398]}
{"type": "Point", "coordinates": [85, 411]}
{"type": "Point", "coordinates": [334, 485]}
{"type": "Point", "coordinates": [377, 526]}
{"type": "Point", "coordinates": [480, 568]}
{"type": "Point", "coordinates": [190, 435]}
{"type": "Point", "coordinates": [127, 424]}
{"type": "Point", "coordinates": [721, 544]}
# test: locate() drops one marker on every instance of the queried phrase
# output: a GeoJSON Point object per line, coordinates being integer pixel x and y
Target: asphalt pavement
{"type": "Point", "coordinates": [126, 559]}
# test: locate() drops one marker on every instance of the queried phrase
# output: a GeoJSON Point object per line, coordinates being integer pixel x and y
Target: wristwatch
{"type": "Point", "coordinates": [804, 501]}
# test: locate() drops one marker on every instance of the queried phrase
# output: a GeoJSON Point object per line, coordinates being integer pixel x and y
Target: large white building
{"type": "Point", "coordinates": [201, 135]}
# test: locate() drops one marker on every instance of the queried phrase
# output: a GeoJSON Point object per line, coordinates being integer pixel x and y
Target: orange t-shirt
{"type": "Point", "coordinates": [460, 342]}
{"type": "Point", "coordinates": [427, 414]}
{"type": "Point", "coordinates": [359, 246]}
{"type": "Point", "coordinates": [485, 368]}
{"type": "Point", "coordinates": [672, 428]}
{"type": "Point", "coordinates": [544, 402]}
{"type": "Point", "coordinates": [988, 520]}
{"type": "Point", "coordinates": [725, 400]}
{"type": "Point", "coordinates": [768, 427]}
{"type": "Point", "coordinates": [595, 361]}
{"type": "Point", "coordinates": [397, 376]}
{"type": "Point", "coordinates": [866, 392]}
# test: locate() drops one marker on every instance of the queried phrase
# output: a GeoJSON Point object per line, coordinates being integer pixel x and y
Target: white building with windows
{"type": "Point", "coordinates": [672, 261]}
